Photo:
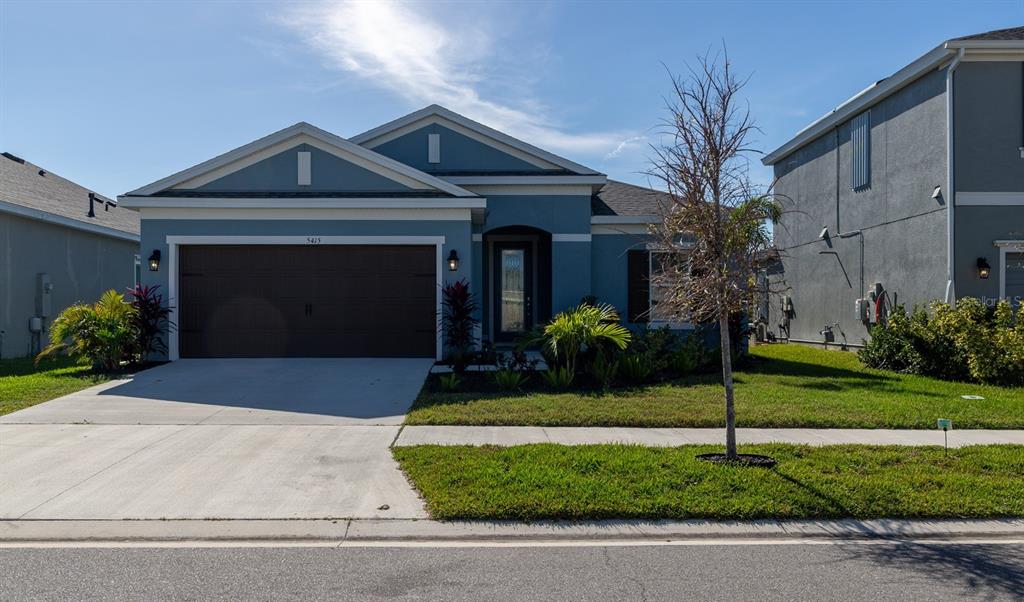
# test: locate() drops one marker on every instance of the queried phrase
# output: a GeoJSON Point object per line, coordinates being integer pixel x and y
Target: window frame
{"type": "Point", "coordinates": [652, 321]}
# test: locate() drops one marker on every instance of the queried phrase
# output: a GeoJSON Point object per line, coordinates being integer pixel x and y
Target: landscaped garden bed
{"type": "Point", "coordinates": [534, 482]}
{"type": "Point", "coordinates": [778, 386]}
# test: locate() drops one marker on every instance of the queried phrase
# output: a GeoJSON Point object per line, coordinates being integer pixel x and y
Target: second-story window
{"type": "Point", "coordinates": [860, 155]}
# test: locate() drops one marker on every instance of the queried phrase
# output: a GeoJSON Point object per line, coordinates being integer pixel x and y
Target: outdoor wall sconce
{"type": "Point", "coordinates": [453, 261]}
{"type": "Point", "coordinates": [154, 260]}
{"type": "Point", "coordinates": [984, 269]}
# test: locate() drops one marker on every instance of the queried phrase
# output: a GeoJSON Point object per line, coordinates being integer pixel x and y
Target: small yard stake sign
{"type": "Point", "coordinates": [945, 424]}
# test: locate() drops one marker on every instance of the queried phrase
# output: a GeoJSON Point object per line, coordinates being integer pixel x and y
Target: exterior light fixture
{"type": "Point", "coordinates": [984, 269]}
{"type": "Point", "coordinates": [154, 260]}
{"type": "Point", "coordinates": [937, 192]}
{"type": "Point", "coordinates": [453, 261]}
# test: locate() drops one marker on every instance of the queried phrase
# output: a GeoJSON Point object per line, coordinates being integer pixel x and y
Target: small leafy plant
{"type": "Point", "coordinates": [604, 369]}
{"type": "Point", "coordinates": [576, 330]}
{"type": "Point", "coordinates": [149, 320]}
{"type": "Point", "coordinates": [635, 368]}
{"type": "Point", "coordinates": [691, 355]}
{"type": "Point", "coordinates": [558, 377]}
{"type": "Point", "coordinates": [509, 380]}
{"type": "Point", "coordinates": [449, 382]}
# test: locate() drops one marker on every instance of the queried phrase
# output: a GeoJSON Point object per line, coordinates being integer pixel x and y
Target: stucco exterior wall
{"type": "Point", "coordinates": [81, 267]}
{"type": "Point", "coordinates": [903, 228]}
{"type": "Point", "coordinates": [977, 228]}
{"type": "Point", "coordinates": [988, 127]}
{"type": "Point", "coordinates": [458, 152]}
{"type": "Point", "coordinates": [610, 270]}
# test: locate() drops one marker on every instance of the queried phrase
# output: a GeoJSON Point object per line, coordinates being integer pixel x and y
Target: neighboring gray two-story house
{"type": "Point", "coordinates": [60, 244]}
{"type": "Point", "coordinates": [911, 191]}
{"type": "Point", "coordinates": [304, 243]}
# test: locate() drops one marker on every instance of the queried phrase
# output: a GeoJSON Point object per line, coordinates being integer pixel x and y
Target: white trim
{"type": "Point", "coordinates": [67, 222]}
{"type": "Point", "coordinates": [302, 203]}
{"type": "Point", "coordinates": [987, 44]}
{"type": "Point", "coordinates": [570, 238]}
{"type": "Point", "coordinates": [630, 229]}
{"type": "Point", "coordinates": [308, 133]}
{"type": "Point", "coordinates": [989, 56]}
{"type": "Point", "coordinates": [477, 237]}
{"type": "Point", "coordinates": [859, 102]}
{"type": "Point", "coordinates": [359, 214]}
{"type": "Point", "coordinates": [1005, 247]}
{"type": "Point", "coordinates": [433, 148]}
{"type": "Point", "coordinates": [173, 242]}
{"type": "Point", "coordinates": [531, 189]}
{"type": "Point", "coordinates": [473, 129]}
{"type": "Point", "coordinates": [596, 180]}
{"type": "Point", "coordinates": [990, 198]}
{"type": "Point", "coordinates": [624, 219]}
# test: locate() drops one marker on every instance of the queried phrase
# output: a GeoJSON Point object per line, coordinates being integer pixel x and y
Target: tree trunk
{"type": "Point", "coordinates": [730, 410]}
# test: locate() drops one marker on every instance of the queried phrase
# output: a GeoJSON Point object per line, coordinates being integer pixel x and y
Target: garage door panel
{"type": "Point", "coordinates": [307, 301]}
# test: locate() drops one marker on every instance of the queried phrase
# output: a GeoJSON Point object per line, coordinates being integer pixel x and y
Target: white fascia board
{"type": "Point", "coordinates": [861, 101]}
{"type": "Point", "coordinates": [371, 137]}
{"type": "Point", "coordinates": [299, 129]}
{"type": "Point", "coordinates": [512, 180]}
{"type": "Point", "coordinates": [986, 44]}
{"type": "Point", "coordinates": [132, 202]}
{"type": "Point", "coordinates": [320, 214]}
{"type": "Point", "coordinates": [624, 219]}
{"type": "Point", "coordinates": [531, 189]}
{"type": "Point", "coordinates": [67, 222]}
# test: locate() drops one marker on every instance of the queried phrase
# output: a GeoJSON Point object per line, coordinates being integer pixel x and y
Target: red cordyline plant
{"type": "Point", "coordinates": [713, 230]}
{"type": "Point", "coordinates": [458, 322]}
{"type": "Point", "coordinates": [150, 319]}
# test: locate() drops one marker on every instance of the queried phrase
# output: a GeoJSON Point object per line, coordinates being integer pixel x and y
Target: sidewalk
{"type": "Point", "coordinates": [670, 437]}
{"type": "Point", "coordinates": [399, 532]}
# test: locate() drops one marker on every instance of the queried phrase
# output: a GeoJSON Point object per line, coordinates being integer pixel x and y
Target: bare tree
{"type": "Point", "coordinates": [713, 233]}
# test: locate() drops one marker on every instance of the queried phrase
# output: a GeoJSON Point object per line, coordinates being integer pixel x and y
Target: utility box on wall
{"type": "Point", "coordinates": [44, 295]}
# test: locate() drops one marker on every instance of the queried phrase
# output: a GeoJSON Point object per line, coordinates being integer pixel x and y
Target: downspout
{"type": "Point", "coordinates": [950, 183]}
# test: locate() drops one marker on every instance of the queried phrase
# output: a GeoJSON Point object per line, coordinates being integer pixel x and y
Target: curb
{"type": "Point", "coordinates": [397, 531]}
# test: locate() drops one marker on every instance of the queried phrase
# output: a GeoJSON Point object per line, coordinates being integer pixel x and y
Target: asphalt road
{"type": "Point", "coordinates": [904, 571]}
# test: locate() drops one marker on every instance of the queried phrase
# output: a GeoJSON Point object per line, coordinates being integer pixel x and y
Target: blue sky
{"type": "Point", "coordinates": [115, 95]}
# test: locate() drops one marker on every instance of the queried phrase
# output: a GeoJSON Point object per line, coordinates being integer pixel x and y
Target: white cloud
{"type": "Point", "coordinates": [409, 52]}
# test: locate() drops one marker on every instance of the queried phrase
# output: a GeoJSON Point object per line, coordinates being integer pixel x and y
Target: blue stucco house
{"type": "Point", "coordinates": [306, 244]}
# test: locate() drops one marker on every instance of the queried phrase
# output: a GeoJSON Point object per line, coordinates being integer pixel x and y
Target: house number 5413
{"type": "Point", "coordinates": [313, 240]}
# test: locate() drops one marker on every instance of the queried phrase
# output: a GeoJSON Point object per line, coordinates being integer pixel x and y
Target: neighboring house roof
{"type": "Point", "coordinates": [993, 41]}
{"type": "Point", "coordinates": [299, 133]}
{"type": "Point", "coordinates": [34, 192]}
{"type": "Point", "coordinates": [1012, 33]}
{"type": "Point", "coordinates": [627, 200]}
{"type": "Point", "coordinates": [487, 135]}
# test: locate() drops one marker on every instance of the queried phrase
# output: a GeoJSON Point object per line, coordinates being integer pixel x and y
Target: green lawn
{"type": "Point", "coordinates": [546, 481]}
{"type": "Point", "coordinates": [23, 384]}
{"type": "Point", "coordinates": [781, 386]}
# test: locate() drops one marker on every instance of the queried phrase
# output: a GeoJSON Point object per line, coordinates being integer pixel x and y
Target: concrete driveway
{"type": "Point", "coordinates": [260, 438]}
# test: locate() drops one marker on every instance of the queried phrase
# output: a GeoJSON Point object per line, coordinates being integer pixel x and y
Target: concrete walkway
{"type": "Point", "coordinates": [669, 437]}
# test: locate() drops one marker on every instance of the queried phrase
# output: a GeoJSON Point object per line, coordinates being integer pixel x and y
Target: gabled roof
{"type": "Point", "coordinates": [301, 132]}
{"type": "Point", "coordinates": [622, 199]}
{"type": "Point", "coordinates": [487, 135]}
{"type": "Point", "coordinates": [32, 191]}
{"type": "Point", "coordinates": [997, 41]}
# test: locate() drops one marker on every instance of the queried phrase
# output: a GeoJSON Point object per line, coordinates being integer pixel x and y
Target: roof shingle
{"type": "Point", "coordinates": [1012, 33]}
{"type": "Point", "coordinates": [28, 185]}
{"type": "Point", "coordinates": [620, 198]}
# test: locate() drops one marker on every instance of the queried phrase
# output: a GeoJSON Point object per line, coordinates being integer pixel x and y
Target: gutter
{"type": "Point", "coordinates": [950, 178]}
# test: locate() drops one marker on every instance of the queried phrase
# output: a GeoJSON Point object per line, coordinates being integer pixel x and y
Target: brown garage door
{"type": "Point", "coordinates": [307, 301]}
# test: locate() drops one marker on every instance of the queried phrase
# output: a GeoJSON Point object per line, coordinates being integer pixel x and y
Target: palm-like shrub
{"type": "Point", "coordinates": [578, 329]}
{"type": "Point", "coordinates": [150, 319]}
{"type": "Point", "coordinates": [102, 333]}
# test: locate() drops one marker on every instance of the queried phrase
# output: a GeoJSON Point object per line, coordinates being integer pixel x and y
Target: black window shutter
{"type": "Point", "coordinates": [639, 286]}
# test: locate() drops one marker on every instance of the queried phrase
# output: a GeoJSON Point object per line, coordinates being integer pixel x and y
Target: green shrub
{"type": "Point", "coordinates": [656, 346]}
{"type": "Point", "coordinates": [558, 377]}
{"type": "Point", "coordinates": [103, 333]}
{"type": "Point", "coordinates": [509, 380]}
{"type": "Point", "coordinates": [968, 342]}
{"type": "Point", "coordinates": [635, 368]}
{"type": "Point", "coordinates": [604, 369]}
{"type": "Point", "coordinates": [449, 382]}
{"type": "Point", "coordinates": [690, 356]}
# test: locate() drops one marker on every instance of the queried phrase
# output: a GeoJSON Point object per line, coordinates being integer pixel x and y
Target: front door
{"type": "Point", "coordinates": [513, 289]}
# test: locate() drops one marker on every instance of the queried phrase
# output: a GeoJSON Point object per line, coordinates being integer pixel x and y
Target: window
{"type": "Point", "coordinates": [644, 293]}
{"type": "Point", "coordinates": [860, 147]}
{"type": "Point", "coordinates": [137, 271]}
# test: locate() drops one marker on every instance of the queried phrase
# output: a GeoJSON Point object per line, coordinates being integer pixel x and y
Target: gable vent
{"type": "Point", "coordinates": [433, 148]}
{"type": "Point", "coordinates": [305, 168]}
